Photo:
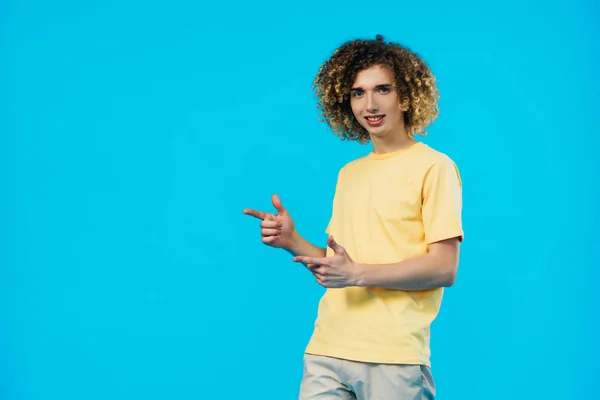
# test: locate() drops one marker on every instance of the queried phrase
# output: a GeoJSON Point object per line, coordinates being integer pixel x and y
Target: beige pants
{"type": "Point", "coordinates": [327, 378]}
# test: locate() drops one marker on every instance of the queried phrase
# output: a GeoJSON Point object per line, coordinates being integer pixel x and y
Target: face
{"type": "Point", "coordinates": [374, 102]}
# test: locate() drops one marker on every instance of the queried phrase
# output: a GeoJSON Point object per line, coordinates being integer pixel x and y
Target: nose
{"type": "Point", "coordinates": [371, 106]}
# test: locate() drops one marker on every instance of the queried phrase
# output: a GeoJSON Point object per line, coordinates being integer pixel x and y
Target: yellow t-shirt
{"type": "Point", "coordinates": [387, 208]}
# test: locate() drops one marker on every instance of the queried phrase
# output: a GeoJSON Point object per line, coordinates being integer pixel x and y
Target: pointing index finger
{"type": "Point", "coordinates": [255, 213]}
{"type": "Point", "coordinates": [312, 260]}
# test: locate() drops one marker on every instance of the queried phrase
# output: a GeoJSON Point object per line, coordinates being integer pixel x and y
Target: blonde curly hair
{"type": "Point", "coordinates": [416, 86]}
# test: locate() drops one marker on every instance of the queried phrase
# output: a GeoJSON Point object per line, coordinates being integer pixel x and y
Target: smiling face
{"type": "Point", "coordinates": [375, 103]}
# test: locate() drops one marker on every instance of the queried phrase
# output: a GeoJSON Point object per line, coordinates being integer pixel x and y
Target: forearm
{"type": "Point", "coordinates": [302, 247]}
{"type": "Point", "coordinates": [421, 273]}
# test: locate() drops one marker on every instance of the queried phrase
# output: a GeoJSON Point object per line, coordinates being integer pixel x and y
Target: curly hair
{"type": "Point", "coordinates": [416, 86]}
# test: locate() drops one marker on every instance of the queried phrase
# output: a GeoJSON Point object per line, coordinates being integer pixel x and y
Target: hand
{"type": "Point", "coordinates": [337, 271]}
{"type": "Point", "coordinates": [277, 229]}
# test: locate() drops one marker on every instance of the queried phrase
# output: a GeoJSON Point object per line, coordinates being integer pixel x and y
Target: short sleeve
{"type": "Point", "coordinates": [442, 202]}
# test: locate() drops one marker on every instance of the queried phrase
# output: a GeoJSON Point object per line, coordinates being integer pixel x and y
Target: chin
{"type": "Point", "coordinates": [377, 131]}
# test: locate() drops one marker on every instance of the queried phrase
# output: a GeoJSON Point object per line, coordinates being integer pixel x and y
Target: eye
{"type": "Point", "coordinates": [384, 90]}
{"type": "Point", "coordinates": [356, 93]}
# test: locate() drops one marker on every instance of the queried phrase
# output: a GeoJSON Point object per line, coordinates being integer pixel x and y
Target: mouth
{"type": "Point", "coordinates": [375, 120]}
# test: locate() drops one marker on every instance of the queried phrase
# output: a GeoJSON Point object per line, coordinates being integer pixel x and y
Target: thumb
{"type": "Point", "coordinates": [277, 203]}
{"type": "Point", "coordinates": [337, 248]}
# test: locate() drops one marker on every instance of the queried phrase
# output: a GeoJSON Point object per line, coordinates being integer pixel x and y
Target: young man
{"type": "Point", "coordinates": [394, 234]}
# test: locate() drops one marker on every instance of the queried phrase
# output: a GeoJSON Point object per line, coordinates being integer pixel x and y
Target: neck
{"type": "Point", "coordinates": [392, 141]}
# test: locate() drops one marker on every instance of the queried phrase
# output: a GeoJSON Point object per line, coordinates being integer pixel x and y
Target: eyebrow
{"type": "Point", "coordinates": [385, 85]}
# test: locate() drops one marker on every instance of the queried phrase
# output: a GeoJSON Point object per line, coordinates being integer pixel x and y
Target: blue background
{"type": "Point", "coordinates": [132, 135]}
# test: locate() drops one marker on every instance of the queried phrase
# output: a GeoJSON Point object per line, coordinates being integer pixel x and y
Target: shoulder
{"type": "Point", "coordinates": [439, 167]}
{"type": "Point", "coordinates": [431, 159]}
{"type": "Point", "coordinates": [433, 156]}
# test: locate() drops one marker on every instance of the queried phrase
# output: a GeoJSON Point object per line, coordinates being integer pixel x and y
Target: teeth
{"type": "Point", "coordinates": [374, 118]}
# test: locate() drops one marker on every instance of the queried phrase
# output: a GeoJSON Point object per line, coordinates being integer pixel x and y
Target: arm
{"type": "Point", "coordinates": [435, 269]}
{"type": "Point", "coordinates": [302, 247]}
{"type": "Point", "coordinates": [278, 230]}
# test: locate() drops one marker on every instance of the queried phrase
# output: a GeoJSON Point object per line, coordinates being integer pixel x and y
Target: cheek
{"type": "Point", "coordinates": [394, 109]}
{"type": "Point", "coordinates": [356, 109]}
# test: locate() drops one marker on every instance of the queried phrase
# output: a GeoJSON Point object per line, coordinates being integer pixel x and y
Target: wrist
{"type": "Point", "coordinates": [359, 275]}
{"type": "Point", "coordinates": [294, 245]}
